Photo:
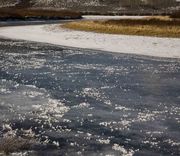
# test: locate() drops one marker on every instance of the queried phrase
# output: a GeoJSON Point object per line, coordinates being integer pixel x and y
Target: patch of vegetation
{"type": "Point", "coordinates": [152, 26]}
{"type": "Point", "coordinates": [19, 13]}
{"type": "Point", "coordinates": [13, 144]}
{"type": "Point", "coordinates": [175, 14]}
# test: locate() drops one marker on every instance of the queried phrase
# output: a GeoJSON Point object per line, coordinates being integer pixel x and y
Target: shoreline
{"type": "Point", "coordinates": [125, 44]}
{"type": "Point", "coordinates": [12, 23]}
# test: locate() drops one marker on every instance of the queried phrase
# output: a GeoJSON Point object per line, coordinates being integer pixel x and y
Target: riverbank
{"type": "Point", "coordinates": [158, 26]}
{"type": "Point", "coordinates": [128, 44]}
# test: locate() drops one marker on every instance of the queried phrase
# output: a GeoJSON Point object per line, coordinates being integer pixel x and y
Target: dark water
{"type": "Point", "coordinates": [77, 102]}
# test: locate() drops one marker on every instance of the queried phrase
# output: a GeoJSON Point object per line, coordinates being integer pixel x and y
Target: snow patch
{"type": "Point", "coordinates": [123, 151]}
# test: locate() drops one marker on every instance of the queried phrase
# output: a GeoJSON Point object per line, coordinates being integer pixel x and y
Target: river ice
{"type": "Point", "coordinates": [87, 102]}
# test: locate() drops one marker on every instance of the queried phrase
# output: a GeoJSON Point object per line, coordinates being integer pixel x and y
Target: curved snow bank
{"type": "Point", "coordinates": [54, 34]}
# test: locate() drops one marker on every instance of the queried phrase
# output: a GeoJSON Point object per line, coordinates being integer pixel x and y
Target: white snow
{"type": "Point", "coordinates": [123, 151]}
{"type": "Point", "coordinates": [99, 17]}
{"type": "Point", "coordinates": [54, 34]}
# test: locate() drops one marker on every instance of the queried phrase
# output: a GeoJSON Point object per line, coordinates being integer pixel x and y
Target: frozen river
{"type": "Point", "coordinates": [86, 102]}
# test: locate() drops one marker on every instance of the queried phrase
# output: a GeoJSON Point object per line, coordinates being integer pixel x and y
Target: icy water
{"type": "Point", "coordinates": [82, 102]}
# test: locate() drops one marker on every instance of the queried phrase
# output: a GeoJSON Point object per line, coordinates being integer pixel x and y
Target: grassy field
{"type": "Point", "coordinates": [149, 26]}
{"type": "Point", "coordinates": [19, 13]}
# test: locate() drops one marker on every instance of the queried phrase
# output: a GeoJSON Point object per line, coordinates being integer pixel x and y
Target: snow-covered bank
{"type": "Point", "coordinates": [54, 34]}
{"type": "Point", "coordinates": [99, 17]}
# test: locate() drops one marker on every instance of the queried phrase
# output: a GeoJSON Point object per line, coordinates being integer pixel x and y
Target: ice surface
{"type": "Point", "coordinates": [54, 34]}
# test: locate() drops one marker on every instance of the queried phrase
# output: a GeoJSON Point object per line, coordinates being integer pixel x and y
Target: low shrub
{"type": "Point", "coordinates": [175, 14]}
{"type": "Point", "coordinates": [12, 144]}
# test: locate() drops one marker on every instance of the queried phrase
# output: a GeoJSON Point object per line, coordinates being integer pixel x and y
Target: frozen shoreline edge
{"type": "Point", "coordinates": [123, 44]}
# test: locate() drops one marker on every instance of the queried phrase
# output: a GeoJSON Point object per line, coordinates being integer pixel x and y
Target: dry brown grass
{"type": "Point", "coordinates": [151, 26]}
{"type": "Point", "coordinates": [11, 144]}
{"type": "Point", "coordinates": [19, 13]}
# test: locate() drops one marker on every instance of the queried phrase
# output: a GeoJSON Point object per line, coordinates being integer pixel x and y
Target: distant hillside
{"type": "Point", "coordinates": [8, 3]}
{"type": "Point", "coordinates": [28, 9]}
{"type": "Point", "coordinates": [99, 6]}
